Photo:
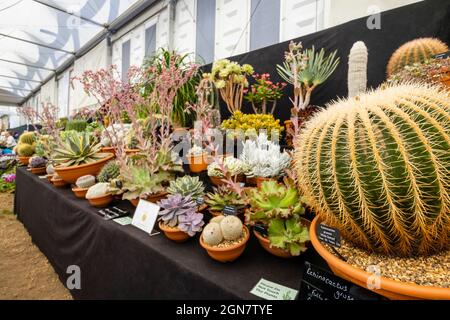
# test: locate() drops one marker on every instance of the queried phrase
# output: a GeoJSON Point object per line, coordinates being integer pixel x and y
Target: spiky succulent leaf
{"type": "Point", "coordinates": [223, 196]}
{"type": "Point", "coordinates": [76, 150]}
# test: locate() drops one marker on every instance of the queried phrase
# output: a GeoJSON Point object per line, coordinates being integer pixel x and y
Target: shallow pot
{"type": "Point", "coordinates": [198, 164]}
{"type": "Point", "coordinates": [260, 180]}
{"type": "Point", "coordinates": [174, 234]}
{"type": "Point", "coordinates": [71, 174]}
{"type": "Point", "coordinates": [80, 192]}
{"type": "Point", "coordinates": [130, 152]}
{"type": "Point", "coordinates": [219, 181]}
{"type": "Point", "coordinates": [49, 177]}
{"type": "Point", "coordinates": [388, 288]}
{"type": "Point", "coordinates": [59, 183]}
{"type": "Point", "coordinates": [226, 254]}
{"type": "Point", "coordinates": [39, 171]}
{"type": "Point", "coordinates": [152, 198]}
{"type": "Point", "coordinates": [101, 202]}
{"type": "Point", "coordinates": [24, 160]}
{"type": "Point", "coordinates": [109, 150]}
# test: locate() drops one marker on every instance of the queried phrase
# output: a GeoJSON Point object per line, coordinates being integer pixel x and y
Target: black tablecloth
{"type": "Point", "coordinates": [124, 262]}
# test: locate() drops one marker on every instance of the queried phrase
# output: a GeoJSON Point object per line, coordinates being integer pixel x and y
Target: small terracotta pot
{"type": "Point", "coordinates": [219, 181]}
{"type": "Point", "coordinates": [198, 163]}
{"type": "Point", "coordinates": [215, 213]}
{"type": "Point", "coordinates": [101, 202]}
{"type": "Point", "coordinates": [265, 243]}
{"type": "Point", "coordinates": [24, 160]}
{"type": "Point", "coordinates": [80, 192]}
{"type": "Point", "coordinates": [130, 152]}
{"type": "Point", "coordinates": [39, 171]}
{"type": "Point", "coordinates": [251, 181]}
{"type": "Point", "coordinates": [152, 198]}
{"type": "Point", "coordinates": [260, 180]}
{"type": "Point", "coordinates": [202, 207]}
{"type": "Point", "coordinates": [71, 174]}
{"type": "Point", "coordinates": [226, 254]}
{"type": "Point", "coordinates": [49, 178]}
{"type": "Point", "coordinates": [59, 183]}
{"type": "Point", "coordinates": [389, 288]}
{"type": "Point", "coordinates": [109, 150]}
{"type": "Point", "coordinates": [174, 234]}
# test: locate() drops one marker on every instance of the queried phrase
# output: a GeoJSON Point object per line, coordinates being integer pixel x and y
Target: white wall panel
{"type": "Point", "coordinates": [300, 17]}
{"type": "Point", "coordinates": [63, 85]}
{"type": "Point", "coordinates": [162, 29]}
{"type": "Point", "coordinates": [48, 92]}
{"type": "Point", "coordinates": [184, 28]}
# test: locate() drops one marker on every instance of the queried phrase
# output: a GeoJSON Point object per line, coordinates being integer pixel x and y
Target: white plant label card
{"type": "Point", "coordinates": [145, 216]}
{"type": "Point", "coordinates": [273, 291]}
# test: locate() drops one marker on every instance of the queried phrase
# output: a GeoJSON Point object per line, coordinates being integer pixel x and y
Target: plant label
{"type": "Point", "coordinates": [230, 211]}
{"type": "Point", "coordinates": [145, 216]}
{"type": "Point", "coordinates": [200, 201]}
{"type": "Point", "coordinates": [443, 55]}
{"type": "Point", "coordinates": [273, 291]}
{"type": "Point", "coordinates": [261, 229]}
{"type": "Point", "coordinates": [329, 235]}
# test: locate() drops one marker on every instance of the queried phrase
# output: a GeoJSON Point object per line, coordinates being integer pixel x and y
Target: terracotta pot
{"type": "Point", "coordinates": [215, 213]}
{"type": "Point", "coordinates": [39, 171]}
{"type": "Point", "coordinates": [260, 180]}
{"type": "Point", "coordinates": [174, 234]}
{"type": "Point", "coordinates": [71, 174]}
{"type": "Point", "coordinates": [49, 178]}
{"type": "Point", "coordinates": [109, 150]}
{"type": "Point", "coordinates": [251, 181]}
{"type": "Point", "coordinates": [101, 202]}
{"type": "Point", "coordinates": [265, 243]}
{"type": "Point", "coordinates": [198, 163]}
{"type": "Point", "coordinates": [24, 160]}
{"type": "Point", "coordinates": [59, 183]}
{"type": "Point", "coordinates": [218, 181]}
{"type": "Point", "coordinates": [202, 207]}
{"type": "Point", "coordinates": [389, 288]}
{"type": "Point", "coordinates": [226, 254]}
{"type": "Point", "coordinates": [130, 152]}
{"type": "Point", "coordinates": [80, 192]}
{"type": "Point", "coordinates": [152, 198]}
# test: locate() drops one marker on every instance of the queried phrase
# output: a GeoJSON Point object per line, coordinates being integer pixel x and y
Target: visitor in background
{"type": "Point", "coordinates": [10, 143]}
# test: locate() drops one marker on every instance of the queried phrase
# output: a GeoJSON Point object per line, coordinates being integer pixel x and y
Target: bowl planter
{"type": "Point", "coordinates": [102, 201]}
{"type": "Point", "coordinates": [198, 164]}
{"type": "Point", "coordinates": [218, 181]}
{"type": "Point", "coordinates": [174, 234]}
{"type": "Point", "coordinates": [389, 288]}
{"type": "Point", "coordinates": [152, 198]}
{"type": "Point", "coordinates": [226, 254]}
{"type": "Point", "coordinates": [39, 171]}
{"type": "Point", "coordinates": [80, 192]}
{"type": "Point", "coordinates": [24, 160]}
{"type": "Point", "coordinates": [71, 174]}
{"type": "Point", "coordinates": [265, 243]}
{"type": "Point", "coordinates": [58, 182]}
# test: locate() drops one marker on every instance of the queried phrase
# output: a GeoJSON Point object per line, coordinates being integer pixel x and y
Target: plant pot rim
{"type": "Point", "coordinates": [164, 228]}
{"type": "Point", "coordinates": [75, 189]}
{"type": "Point", "coordinates": [233, 247]}
{"type": "Point", "coordinates": [402, 288]}
{"type": "Point", "coordinates": [106, 196]}
{"type": "Point", "coordinates": [108, 157]}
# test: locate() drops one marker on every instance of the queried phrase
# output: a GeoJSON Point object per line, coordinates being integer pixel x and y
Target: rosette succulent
{"type": "Point", "coordinates": [223, 196]}
{"type": "Point", "coordinates": [37, 162]}
{"type": "Point", "coordinates": [77, 150]}
{"type": "Point", "coordinates": [191, 223]}
{"type": "Point", "coordinates": [196, 151]}
{"type": "Point", "coordinates": [187, 186]}
{"type": "Point", "coordinates": [175, 206]}
{"type": "Point", "coordinates": [232, 165]}
{"type": "Point", "coordinates": [288, 234]}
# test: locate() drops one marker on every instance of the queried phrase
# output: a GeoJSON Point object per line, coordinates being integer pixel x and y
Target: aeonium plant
{"type": "Point", "coordinates": [263, 93]}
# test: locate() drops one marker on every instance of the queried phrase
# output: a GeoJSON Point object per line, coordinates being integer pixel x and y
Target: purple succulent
{"type": "Point", "coordinates": [175, 206]}
{"type": "Point", "coordinates": [37, 162]}
{"type": "Point", "coordinates": [191, 223]}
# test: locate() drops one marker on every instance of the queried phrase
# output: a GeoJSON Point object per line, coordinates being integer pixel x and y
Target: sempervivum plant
{"type": "Point", "coordinates": [78, 149]}
{"type": "Point", "coordinates": [191, 223]}
{"type": "Point", "coordinates": [264, 157]}
{"type": "Point", "coordinates": [232, 166]}
{"type": "Point", "coordinates": [175, 206]}
{"type": "Point", "coordinates": [187, 186]}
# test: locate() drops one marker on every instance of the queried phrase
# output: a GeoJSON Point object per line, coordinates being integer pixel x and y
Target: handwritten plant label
{"type": "Point", "coordinates": [329, 235]}
{"type": "Point", "coordinates": [273, 291]}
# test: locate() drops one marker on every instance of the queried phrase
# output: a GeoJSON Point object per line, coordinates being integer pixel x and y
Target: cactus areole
{"type": "Point", "coordinates": [378, 168]}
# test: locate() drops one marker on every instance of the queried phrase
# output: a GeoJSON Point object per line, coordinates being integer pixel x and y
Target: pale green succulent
{"type": "Point", "coordinates": [139, 182]}
{"type": "Point", "coordinates": [289, 235]}
{"type": "Point", "coordinates": [76, 150]}
{"type": "Point", "coordinates": [232, 165]}
{"type": "Point", "coordinates": [187, 186]}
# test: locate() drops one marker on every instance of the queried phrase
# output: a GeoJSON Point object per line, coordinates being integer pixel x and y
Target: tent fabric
{"type": "Point", "coordinates": [33, 46]}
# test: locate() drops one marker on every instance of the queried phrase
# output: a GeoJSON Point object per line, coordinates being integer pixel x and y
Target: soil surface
{"type": "Point", "coordinates": [25, 272]}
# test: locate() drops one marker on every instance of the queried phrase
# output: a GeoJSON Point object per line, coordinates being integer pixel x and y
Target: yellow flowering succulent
{"type": "Point", "coordinates": [252, 123]}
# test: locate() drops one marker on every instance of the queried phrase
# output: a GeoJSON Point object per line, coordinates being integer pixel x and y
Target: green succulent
{"type": "Point", "coordinates": [25, 149]}
{"type": "Point", "coordinates": [288, 234]}
{"type": "Point", "coordinates": [139, 182]}
{"type": "Point", "coordinates": [76, 150]}
{"type": "Point", "coordinates": [110, 171]}
{"type": "Point", "coordinates": [187, 186]}
{"type": "Point", "coordinates": [77, 125]}
{"type": "Point", "coordinates": [27, 137]}
{"type": "Point", "coordinates": [223, 196]}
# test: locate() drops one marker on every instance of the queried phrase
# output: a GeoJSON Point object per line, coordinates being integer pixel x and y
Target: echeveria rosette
{"type": "Point", "coordinates": [288, 235]}
{"type": "Point", "coordinates": [174, 207]}
{"type": "Point", "coordinates": [191, 223]}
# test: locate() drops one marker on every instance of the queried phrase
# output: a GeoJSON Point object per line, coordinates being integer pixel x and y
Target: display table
{"type": "Point", "coordinates": [123, 262]}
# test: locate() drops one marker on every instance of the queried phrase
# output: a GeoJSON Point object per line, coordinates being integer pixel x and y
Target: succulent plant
{"type": "Point", "coordinates": [212, 234]}
{"type": "Point", "coordinates": [377, 168]}
{"type": "Point", "coordinates": [139, 182]}
{"type": "Point", "coordinates": [175, 206]}
{"type": "Point", "coordinates": [187, 186]}
{"type": "Point", "coordinates": [121, 131]}
{"type": "Point", "coordinates": [97, 190]}
{"type": "Point", "coordinates": [227, 228]}
{"type": "Point", "coordinates": [50, 169]}
{"type": "Point", "coordinates": [27, 138]}
{"type": "Point", "coordinates": [110, 171]}
{"type": "Point", "coordinates": [414, 51]}
{"type": "Point", "coordinates": [233, 166]}
{"type": "Point", "coordinates": [37, 162]}
{"type": "Point", "coordinates": [25, 149]}
{"type": "Point", "coordinates": [264, 157]}
{"type": "Point", "coordinates": [252, 124]}
{"type": "Point", "coordinates": [76, 125]}
{"type": "Point", "coordinates": [191, 223]}
{"type": "Point", "coordinates": [85, 182]}
{"type": "Point", "coordinates": [357, 69]}
{"type": "Point", "coordinates": [432, 71]}
{"type": "Point", "coordinates": [223, 196]}
{"type": "Point", "coordinates": [288, 234]}
{"type": "Point", "coordinates": [76, 150]}
{"type": "Point", "coordinates": [196, 151]}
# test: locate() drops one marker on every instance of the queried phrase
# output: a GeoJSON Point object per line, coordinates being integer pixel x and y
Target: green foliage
{"type": "Point", "coordinates": [187, 186]}
{"type": "Point", "coordinates": [76, 125]}
{"type": "Point", "coordinates": [288, 234]}
{"type": "Point", "coordinates": [140, 183]}
{"type": "Point", "coordinates": [223, 196]}
{"type": "Point", "coordinates": [109, 172]}
{"type": "Point", "coordinates": [77, 149]}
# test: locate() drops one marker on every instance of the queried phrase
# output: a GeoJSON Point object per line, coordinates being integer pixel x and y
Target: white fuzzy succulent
{"type": "Point", "coordinates": [196, 151]}
{"type": "Point", "coordinates": [264, 157]}
{"type": "Point", "coordinates": [121, 131]}
{"type": "Point", "coordinates": [233, 166]}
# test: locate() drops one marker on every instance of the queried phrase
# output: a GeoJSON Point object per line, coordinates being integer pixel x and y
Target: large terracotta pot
{"type": "Point", "coordinates": [24, 160]}
{"type": "Point", "coordinates": [265, 243]}
{"type": "Point", "coordinates": [174, 234]}
{"type": "Point", "coordinates": [101, 202]}
{"type": "Point", "coordinates": [152, 198]}
{"type": "Point", "coordinates": [198, 164]}
{"type": "Point", "coordinates": [389, 288]}
{"type": "Point", "coordinates": [71, 174]}
{"type": "Point", "coordinates": [226, 254]}
{"type": "Point", "coordinates": [80, 192]}
{"type": "Point", "coordinates": [219, 181]}
{"type": "Point", "coordinates": [39, 171]}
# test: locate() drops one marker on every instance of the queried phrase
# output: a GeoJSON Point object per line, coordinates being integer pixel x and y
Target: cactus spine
{"type": "Point", "coordinates": [357, 69]}
{"type": "Point", "coordinates": [415, 51]}
{"type": "Point", "coordinates": [379, 169]}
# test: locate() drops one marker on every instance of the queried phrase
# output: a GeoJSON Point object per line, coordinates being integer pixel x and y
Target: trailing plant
{"type": "Point", "coordinates": [252, 124]}
{"type": "Point", "coordinates": [377, 168]}
{"type": "Point", "coordinates": [264, 92]}
{"type": "Point", "coordinates": [357, 69]}
{"type": "Point", "coordinates": [223, 196]}
{"type": "Point", "coordinates": [230, 79]}
{"type": "Point", "coordinates": [415, 51]}
{"type": "Point", "coordinates": [110, 171]}
{"type": "Point", "coordinates": [187, 186]}
{"type": "Point", "coordinates": [77, 150]}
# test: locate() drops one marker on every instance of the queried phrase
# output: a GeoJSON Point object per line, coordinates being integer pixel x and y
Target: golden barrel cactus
{"type": "Point", "coordinates": [378, 168]}
{"type": "Point", "coordinates": [414, 51]}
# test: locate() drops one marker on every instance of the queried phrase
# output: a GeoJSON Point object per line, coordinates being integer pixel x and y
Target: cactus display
{"type": "Point", "coordinates": [37, 162]}
{"type": "Point", "coordinates": [187, 186]}
{"type": "Point", "coordinates": [110, 171]}
{"type": "Point", "coordinates": [76, 125]}
{"type": "Point", "coordinates": [98, 190]}
{"type": "Point", "coordinates": [228, 228]}
{"type": "Point", "coordinates": [85, 182]}
{"type": "Point", "coordinates": [377, 167]}
{"type": "Point", "coordinates": [175, 206]}
{"type": "Point", "coordinates": [357, 69]}
{"type": "Point", "coordinates": [25, 149]}
{"type": "Point", "coordinates": [415, 51]}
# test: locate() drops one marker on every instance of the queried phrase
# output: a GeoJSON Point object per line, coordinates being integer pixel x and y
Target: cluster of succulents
{"type": "Point", "coordinates": [264, 157]}
{"type": "Point", "coordinates": [187, 186]}
{"type": "Point", "coordinates": [233, 167]}
{"type": "Point", "coordinates": [253, 124]}
{"type": "Point", "coordinates": [116, 131]}
{"type": "Point", "coordinates": [431, 71]}
{"type": "Point", "coordinates": [76, 150]}
{"type": "Point", "coordinates": [110, 171]}
{"type": "Point", "coordinates": [223, 196]}
{"type": "Point", "coordinates": [76, 125]}
{"type": "Point", "coordinates": [221, 229]}
{"type": "Point", "coordinates": [37, 162]}
{"type": "Point", "coordinates": [181, 212]}
{"type": "Point", "coordinates": [264, 91]}
{"type": "Point", "coordinates": [27, 144]}
{"type": "Point", "coordinates": [85, 182]}
{"type": "Point", "coordinates": [225, 70]}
